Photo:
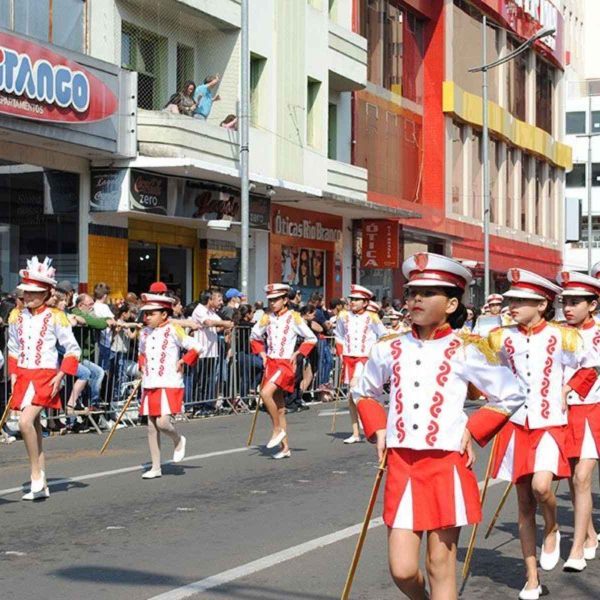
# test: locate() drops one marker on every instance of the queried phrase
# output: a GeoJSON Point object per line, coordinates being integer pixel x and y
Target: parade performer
{"type": "Point", "coordinates": [580, 300]}
{"type": "Point", "coordinates": [355, 333]}
{"type": "Point", "coordinates": [160, 347]}
{"type": "Point", "coordinates": [396, 325]}
{"type": "Point", "coordinates": [494, 303]}
{"type": "Point", "coordinates": [281, 327]}
{"type": "Point", "coordinates": [430, 486]}
{"type": "Point", "coordinates": [531, 449]}
{"type": "Point", "coordinates": [34, 332]}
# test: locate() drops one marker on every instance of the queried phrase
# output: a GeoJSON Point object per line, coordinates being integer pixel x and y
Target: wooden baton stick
{"type": "Point", "coordinates": [482, 496]}
{"type": "Point", "coordinates": [337, 396]}
{"type": "Point", "coordinates": [136, 387]}
{"type": "Point", "coordinates": [5, 414]}
{"type": "Point", "coordinates": [365, 527]}
{"type": "Point", "coordinates": [253, 427]}
{"type": "Point", "coordinates": [497, 513]}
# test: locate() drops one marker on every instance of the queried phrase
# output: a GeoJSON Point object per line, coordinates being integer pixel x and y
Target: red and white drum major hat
{"type": "Point", "coordinates": [373, 307]}
{"type": "Point", "coordinates": [38, 276]}
{"type": "Point", "coordinates": [530, 286]}
{"type": "Point", "coordinates": [426, 269]}
{"type": "Point", "coordinates": [596, 270]}
{"type": "Point", "coordinates": [275, 290]}
{"type": "Point", "coordinates": [494, 299]}
{"type": "Point", "coordinates": [358, 291]}
{"type": "Point", "coordinates": [157, 302]}
{"type": "Point", "coordinates": [578, 284]}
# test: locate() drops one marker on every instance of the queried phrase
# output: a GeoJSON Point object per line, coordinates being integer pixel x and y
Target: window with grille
{"type": "Point", "coordinates": [257, 67]}
{"type": "Point", "coordinates": [185, 65]}
{"type": "Point", "coordinates": [576, 178]}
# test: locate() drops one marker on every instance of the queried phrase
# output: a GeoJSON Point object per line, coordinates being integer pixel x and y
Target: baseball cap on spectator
{"type": "Point", "coordinates": [65, 286]}
{"type": "Point", "coordinates": [158, 287]}
{"type": "Point", "coordinates": [232, 293]}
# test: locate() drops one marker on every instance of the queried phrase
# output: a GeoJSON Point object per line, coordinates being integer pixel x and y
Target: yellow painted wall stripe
{"type": "Point", "coordinates": [468, 108]}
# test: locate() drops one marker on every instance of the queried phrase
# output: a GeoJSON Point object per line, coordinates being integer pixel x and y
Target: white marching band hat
{"type": "Point", "coordinates": [276, 290]}
{"type": "Point", "coordinates": [596, 270]}
{"type": "Point", "coordinates": [157, 302]}
{"type": "Point", "coordinates": [530, 286]}
{"type": "Point", "coordinates": [494, 299]}
{"type": "Point", "coordinates": [361, 292]}
{"type": "Point", "coordinates": [394, 314]}
{"type": "Point", "coordinates": [37, 276]}
{"type": "Point", "coordinates": [426, 269]}
{"type": "Point", "coordinates": [373, 306]}
{"type": "Point", "coordinates": [578, 284]}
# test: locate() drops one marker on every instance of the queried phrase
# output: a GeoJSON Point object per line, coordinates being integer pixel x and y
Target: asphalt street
{"type": "Point", "coordinates": [229, 522]}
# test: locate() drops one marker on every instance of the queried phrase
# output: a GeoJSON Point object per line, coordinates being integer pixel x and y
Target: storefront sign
{"type": "Point", "coordinates": [380, 244]}
{"type": "Point", "coordinates": [306, 229]}
{"type": "Point", "coordinates": [106, 189]}
{"type": "Point", "coordinates": [148, 193]}
{"type": "Point", "coordinates": [38, 84]}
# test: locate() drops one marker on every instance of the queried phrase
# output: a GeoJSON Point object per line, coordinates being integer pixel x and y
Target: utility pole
{"type": "Point", "coordinates": [244, 149]}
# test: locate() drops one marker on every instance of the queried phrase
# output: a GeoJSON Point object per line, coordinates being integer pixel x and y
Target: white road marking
{"type": "Point", "coordinates": [52, 484]}
{"type": "Point", "coordinates": [203, 585]}
{"type": "Point", "coordinates": [15, 553]}
{"type": "Point", "coordinates": [329, 412]}
{"type": "Point", "coordinates": [115, 527]}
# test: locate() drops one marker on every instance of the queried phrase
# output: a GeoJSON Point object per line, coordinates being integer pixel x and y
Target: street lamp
{"type": "Point", "coordinates": [485, 136]}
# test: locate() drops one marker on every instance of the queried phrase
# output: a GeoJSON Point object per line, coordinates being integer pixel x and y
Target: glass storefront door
{"type": "Point", "coordinates": [150, 262]}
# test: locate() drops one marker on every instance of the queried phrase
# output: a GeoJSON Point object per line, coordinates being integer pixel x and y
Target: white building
{"type": "Point", "coordinates": [582, 22]}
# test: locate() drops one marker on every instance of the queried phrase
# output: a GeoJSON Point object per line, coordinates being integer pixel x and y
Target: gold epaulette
{"type": "Point", "coordinates": [482, 344]}
{"type": "Point", "coordinates": [60, 317]}
{"type": "Point", "coordinates": [297, 317]}
{"type": "Point", "coordinates": [494, 339]}
{"type": "Point", "coordinates": [13, 317]}
{"type": "Point", "coordinates": [391, 336]}
{"type": "Point", "coordinates": [179, 330]}
{"type": "Point", "coordinates": [571, 339]}
{"type": "Point", "coordinates": [264, 320]}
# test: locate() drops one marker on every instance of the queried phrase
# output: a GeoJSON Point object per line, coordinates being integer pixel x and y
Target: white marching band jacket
{"type": "Point", "coordinates": [590, 333]}
{"type": "Point", "coordinates": [159, 353]}
{"type": "Point", "coordinates": [428, 387]}
{"type": "Point", "coordinates": [33, 337]}
{"type": "Point", "coordinates": [554, 348]}
{"type": "Point", "coordinates": [282, 332]}
{"type": "Point", "coordinates": [355, 333]}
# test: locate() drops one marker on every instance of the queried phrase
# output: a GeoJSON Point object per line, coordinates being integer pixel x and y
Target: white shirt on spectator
{"type": "Point", "coordinates": [258, 314]}
{"type": "Point", "coordinates": [207, 336]}
{"type": "Point", "coordinates": [102, 310]}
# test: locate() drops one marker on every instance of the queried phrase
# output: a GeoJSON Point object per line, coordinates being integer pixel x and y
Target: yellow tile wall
{"type": "Point", "coordinates": [107, 262]}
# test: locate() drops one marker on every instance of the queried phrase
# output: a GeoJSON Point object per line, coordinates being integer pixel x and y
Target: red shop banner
{"type": "Point", "coordinates": [38, 84]}
{"type": "Point", "coordinates": [380, 244]}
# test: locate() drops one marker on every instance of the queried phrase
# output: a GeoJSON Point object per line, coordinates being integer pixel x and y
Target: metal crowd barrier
{"type": "Point", "coordinates": [221, 384]}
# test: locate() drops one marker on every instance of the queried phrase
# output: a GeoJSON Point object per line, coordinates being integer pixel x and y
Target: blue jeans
{"type": "Point", "coordinates": [93, 374]}
{"type": "Point", "coordinates": [105, 356]}
{"type": "Point", "coordinates": [251, 371]}
{"type": "Point", "coordinates": [325, 362]}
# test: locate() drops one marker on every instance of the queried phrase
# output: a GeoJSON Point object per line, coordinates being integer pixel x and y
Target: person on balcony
{"type": "Point", "coordinates": [182, 102]}
{"type": "Point", "coordinates": [204, 97]}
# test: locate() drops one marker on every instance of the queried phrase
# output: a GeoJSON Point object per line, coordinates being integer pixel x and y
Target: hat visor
{"type": "Point", "coordinates": [523, 294]}
{"type": "Point", "coordinates": [154, 307]}
{"type": "Point", "coordinates": [431, 283]}
{"type": "Point", "coordinates": [358, 297]}
{"type": "Point", "coordinates": [576, 292]}
{"type": "Point", "coordinates": [277, 295]}
{"type": "Point", "coordinates": [30, 287]}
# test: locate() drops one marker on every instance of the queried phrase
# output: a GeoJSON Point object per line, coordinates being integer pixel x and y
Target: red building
{"type": "Point", "coordinates": [417, 128]}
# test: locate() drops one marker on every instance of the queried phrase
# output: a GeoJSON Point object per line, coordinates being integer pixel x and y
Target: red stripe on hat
{"type": "Point", "coordinates": [28, 281]}
{"type": "Point", "coordinates": [532, 287]}
{"type": "Point", "coordinates": [439, 275]}
{"type": "Point", "coordinates": [576, 285]}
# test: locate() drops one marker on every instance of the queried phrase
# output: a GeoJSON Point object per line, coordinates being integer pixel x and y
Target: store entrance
{"type": "Point", "coordinates": [150, 262]}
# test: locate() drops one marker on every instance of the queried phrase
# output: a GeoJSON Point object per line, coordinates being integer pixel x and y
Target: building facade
{"type": "Point", "coordinates": [425, 108]}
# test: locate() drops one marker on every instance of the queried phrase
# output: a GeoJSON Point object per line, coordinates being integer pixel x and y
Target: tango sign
{"type": "Point", "coordinates": [38, 84]}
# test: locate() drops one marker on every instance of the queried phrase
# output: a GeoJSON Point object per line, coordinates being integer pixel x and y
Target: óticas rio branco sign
{"type": "Point", "coordinates": [38, 84]}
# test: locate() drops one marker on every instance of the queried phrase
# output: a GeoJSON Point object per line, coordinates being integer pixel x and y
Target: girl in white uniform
{"type": "Point", "coordinates": [430, 486]}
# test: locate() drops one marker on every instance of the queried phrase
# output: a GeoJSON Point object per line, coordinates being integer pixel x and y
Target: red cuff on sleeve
{"type": "Point", "coordinates": [485, 423]}
{"type": "Point", "coordinates": [141, 361]}
{"type": "Point", "coordinates": [583, 381]}
{"type": "Point", "coordinates": [69, 365]}
{"type": "Point", "coordinates": [257, 346]}
{"type": "Point", "coordinates": [12, 365]}
{"type": "Point", "coordinates": [339, 349]}
{"type": "Point", "coordinates": [306, 348]}
{"type": "Point", "coordinates": [190, 357]}
{"type": "Point", "coordinates": [373, 417]}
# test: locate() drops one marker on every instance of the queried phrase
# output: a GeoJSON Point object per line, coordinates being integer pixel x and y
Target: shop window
{"type": "Point", "coordinates": [544, 77]}
{"type": "Point", "coordinates": [312, 112]}
{"type": "Point", "coordinates": [39, 215]}
{"type": "Point", "coordinates": [517, 78]}
{"type": "Point", "coordinates": [145, 53]}
{"type": "Point", "coordinates": [575, 122]}
{"type": "Point", "coordinates": [257, 67]}
{"type": "Point", "coordinates": [576, 178]}
{"type": "Point", "coordinates": [396, 46]}
{"type": "Point", "coordinates": [185, 65]}
{"type": "Point", "coordinates": [60, 22]}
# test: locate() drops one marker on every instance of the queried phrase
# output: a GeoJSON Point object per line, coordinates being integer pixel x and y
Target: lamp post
{"type": "Point", "coordinates": [244, 148]}
{"type": "Point", "coordinates": [485, 136]}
